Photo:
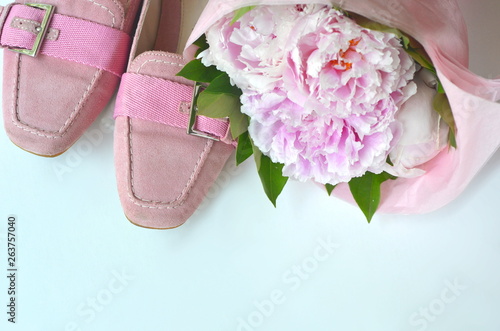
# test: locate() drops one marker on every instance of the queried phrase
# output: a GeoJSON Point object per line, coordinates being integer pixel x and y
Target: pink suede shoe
{"type": "Point", "coordinates": [162, 172]}
{"type": "Point", "coordinates": [69, 59]}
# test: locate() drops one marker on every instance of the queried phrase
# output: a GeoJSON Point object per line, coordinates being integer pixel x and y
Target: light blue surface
{"type": "Point", "coordinates": [239, 264]}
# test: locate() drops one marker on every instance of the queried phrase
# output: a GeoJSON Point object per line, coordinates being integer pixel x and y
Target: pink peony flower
{"type": "Point", "coordinates": [326, 148]}
{"type": "Point", "coordinates": [251, 50]}
{"type": "Point", "coordinates": [321, 91]}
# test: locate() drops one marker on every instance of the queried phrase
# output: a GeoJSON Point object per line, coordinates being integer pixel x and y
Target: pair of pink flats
{"type": "Point", "coordinates": [64, 62]}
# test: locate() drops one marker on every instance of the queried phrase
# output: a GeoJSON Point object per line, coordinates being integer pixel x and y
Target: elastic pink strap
{"type": "Point", "coordinates": [78, 40]}
{"type": "Point", "coordinates": [163, 101]}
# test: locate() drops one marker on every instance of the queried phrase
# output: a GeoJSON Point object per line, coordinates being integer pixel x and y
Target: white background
{"type": "Point", "coordinates": [235, 264]}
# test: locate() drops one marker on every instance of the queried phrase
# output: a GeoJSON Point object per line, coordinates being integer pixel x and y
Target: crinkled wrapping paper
{"type": "Point", "coordinates": [439, 26]}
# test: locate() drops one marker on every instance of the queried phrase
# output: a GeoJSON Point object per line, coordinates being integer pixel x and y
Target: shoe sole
{"type": "Point", "coordinates": [152, 228]}
{"type": "Point", "coordinates": [42, 155]}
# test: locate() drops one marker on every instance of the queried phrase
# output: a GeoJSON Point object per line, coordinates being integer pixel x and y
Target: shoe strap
{"type": "Point", "coordinates": [67, 38]}
{"type": "Point", "coordinates": [163, 101]}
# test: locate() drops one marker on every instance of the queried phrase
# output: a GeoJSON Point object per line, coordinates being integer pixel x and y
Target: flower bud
{"type": "Point", "coordinates": [424, 134]}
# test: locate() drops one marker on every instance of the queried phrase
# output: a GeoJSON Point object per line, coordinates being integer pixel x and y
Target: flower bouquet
{"type": "Point", "coordinates": [371, 99]}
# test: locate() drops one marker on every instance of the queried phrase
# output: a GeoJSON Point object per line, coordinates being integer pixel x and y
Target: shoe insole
{"type": "Point", "coordinates": [173, 21]}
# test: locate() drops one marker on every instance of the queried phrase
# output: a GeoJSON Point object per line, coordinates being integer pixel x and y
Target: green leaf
{"type": "Point", "coordinates": [452, 140]}
{"type": "Point", "coordinates": [239, 123]}
{"type": "Point", "coordinates": [201, 42]}
{"type": "Point", "coordinates": [257, 155]}
{"type": "Point", "coordinates": [220, 99]}
{"type": "Point", "coordinates": [442, 105]}
{"type": "Point", "coordinates": [337, 8]}
{"type": "Point", "coordinates": [420, 57]}
{"type": "Point", "coordinates": [202, 45]}
{"type": "Point", "coordinates": [386, 176]}
{"type": "Point", "coordinates": [366, 191]}
{"type": "Point", "coordinates": [222, 84]}
{"type": "Point", "coordinates": [217, 105]}
{"type": "Point", "coordinates": [244, 149]}
{"type": "Point", "coordinates": [440, 88]}
{"type": "Point", "coordinates": [389, 161]}
{"type": "Point", "coordinates": [329, 188]}
{"type": "Point", "coordinates": [271, 175]}
{"type": "Point", "coordinates": [240, 12]}
{"type": "Point", "coordinates": [196, 71]}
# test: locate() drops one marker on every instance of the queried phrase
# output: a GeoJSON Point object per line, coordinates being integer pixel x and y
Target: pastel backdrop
{"type": "Point", "coordinates": [313, 263]}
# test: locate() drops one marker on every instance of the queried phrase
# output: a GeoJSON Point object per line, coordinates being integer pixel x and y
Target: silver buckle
{"type": "Point", "coordinates": [193, 114]}
{"type": "Point", "coordinates": [42, 31]}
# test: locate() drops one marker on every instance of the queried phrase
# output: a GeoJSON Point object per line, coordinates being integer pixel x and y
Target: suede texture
{"type": "Point", "coordinates": [162, 173]}
{"type": "Point", "coordinates": [48, 103]}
